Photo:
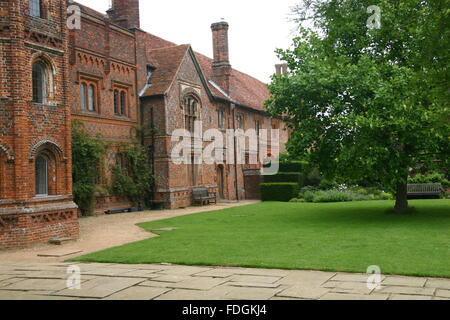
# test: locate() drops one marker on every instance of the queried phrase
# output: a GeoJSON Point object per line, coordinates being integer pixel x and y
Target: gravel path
{"type": "Point", "coordinates": [102, 232]}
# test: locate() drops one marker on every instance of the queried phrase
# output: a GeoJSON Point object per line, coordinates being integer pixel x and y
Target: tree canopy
{"type": "Point", "coordinates": [368, 102]}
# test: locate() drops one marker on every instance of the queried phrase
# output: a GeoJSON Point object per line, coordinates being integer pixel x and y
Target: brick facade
{"type": "Point", "coordinates": [34, 124]}
{"type": "Point", "coordinates": [112, 76]}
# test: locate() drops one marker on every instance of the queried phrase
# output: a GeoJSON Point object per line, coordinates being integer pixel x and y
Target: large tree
{"type": "Point", "coordinates": [368, 102]}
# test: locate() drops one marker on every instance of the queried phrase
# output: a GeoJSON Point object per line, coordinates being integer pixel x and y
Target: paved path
{"type": "Point", "coordinates": [25, 281]}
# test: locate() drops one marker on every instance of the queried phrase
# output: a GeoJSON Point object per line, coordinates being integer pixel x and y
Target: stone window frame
{"type": "Point", "coordinates": [221, 118]}
{"type": "Point", "coordinates": [123, 90]}
{"type": "Point", "coordinates": [192, 111]}
{"type": "Point", "coordinates": [88, 84]}
{"type": "Point", "coordinates": [48, 85]}
{"type": "Point", "coordinates": [242, 121]}
{"type": "Point", "coordinates": [97, 82]}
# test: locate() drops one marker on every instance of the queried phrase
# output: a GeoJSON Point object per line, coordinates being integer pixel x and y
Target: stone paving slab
{"type": "Point", "coordinates": [404, 281]}
{"type": "Point", "coordinates": [352, 277]}
{"type": "Point", "coordinates": [198, 284]}
{"type": "Point", "coordinates": [438, 283]}
{"type": "Point", "coordinates": [303, 292]}
{"type": "Point", "coordinates": [172, 282]}
{"type": "Point", "coordinates": [409, 297]}
{"type": "Point", "coordinates": [100, 287]}
{"type": "Point", "coordinates": [252, 279]}
{"type": "Point", "coordinates": [138, 293]}
{"type": "Point", "coordinates": [443, 293]}
{"type": "Point", "coordinates": [347, 287]}
{"type": "Point", "coordinates": [344, 296]}
{"type": "Point", "coordinates": [409, 290]}
{"type": "Point", "coordinates": [37, 285]}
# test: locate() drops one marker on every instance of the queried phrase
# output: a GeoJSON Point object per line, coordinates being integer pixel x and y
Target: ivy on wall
{"type": "Point", "coordinates": [87, 152]}
{"type": "Point", "coordinates": [131, 177]}
{"type": "Point", "coordinates": [134, 179]}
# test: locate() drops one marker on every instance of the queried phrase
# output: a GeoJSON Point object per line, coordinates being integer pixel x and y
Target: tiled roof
{"type": "Point", "coordinates": [167, 56]}
{"type": "Point", "coordinates": [167, 61]}
{"type": "Point", "coordinates": [244, 89]}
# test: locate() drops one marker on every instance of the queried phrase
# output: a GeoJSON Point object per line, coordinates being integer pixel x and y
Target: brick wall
{"type": "Point", "coordinates": [30, 129]}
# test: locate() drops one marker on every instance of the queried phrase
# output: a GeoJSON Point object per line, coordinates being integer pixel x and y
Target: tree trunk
{"type": "Point", "coordinates": [401, 198]}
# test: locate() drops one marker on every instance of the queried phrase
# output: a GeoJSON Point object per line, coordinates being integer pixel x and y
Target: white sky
{"type": "Point", "coordinates": [257, 27]}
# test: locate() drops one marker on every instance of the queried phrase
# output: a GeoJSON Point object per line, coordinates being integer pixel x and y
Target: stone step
{"type": "Point", "coordinates": [60, 240]}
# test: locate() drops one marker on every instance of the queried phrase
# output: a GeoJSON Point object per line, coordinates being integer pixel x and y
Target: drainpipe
{"type": "Point", "coordinates": [233, 113]}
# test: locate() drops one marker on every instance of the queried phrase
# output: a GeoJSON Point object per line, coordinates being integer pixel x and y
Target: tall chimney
{"type": "Point", "coordinates": [221, 65]}
{"type": "Point", "coordinates": [281, 68]}
{"type": "Point", "coordinates": [125, 13]}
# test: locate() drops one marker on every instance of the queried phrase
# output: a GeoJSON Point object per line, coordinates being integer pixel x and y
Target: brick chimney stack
{"type": "Point", "coordinates": [281, 68]}
{"type": "Point", "coordinates": [125, 13]}
{"type": "Point", "coordinates": [221, 65]}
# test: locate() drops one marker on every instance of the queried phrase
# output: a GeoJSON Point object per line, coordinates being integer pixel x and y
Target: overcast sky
{"type": "Point", "coordinates": [257, 27]}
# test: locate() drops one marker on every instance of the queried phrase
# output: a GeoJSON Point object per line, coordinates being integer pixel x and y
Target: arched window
{"type": "Point", "coordinates": [83, 96]}
{"type": "Point", "coordinates": [191, 113]}
{"type": "Point", "coordinates": [41, 175]}
{"type": "Point", "coordinates": [35, 8]}
{"type": "Point", "coordinates": [91, 97]}
{"type": "Point", "coordinates": [116, 101]}
{"type": "Point", "coordinates": [221, 118]}
{"type": "Point", "coordinates": [39, 82]}
{"type": "Point", "coordinates": [123, 102]}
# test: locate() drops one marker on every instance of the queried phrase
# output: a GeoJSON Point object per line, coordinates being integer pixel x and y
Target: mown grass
{"type": "Point", "coordinates": [332, 237]}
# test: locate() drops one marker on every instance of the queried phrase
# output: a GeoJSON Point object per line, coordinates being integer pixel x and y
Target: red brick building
{"type": "Point", "coordinates": [112, 76]}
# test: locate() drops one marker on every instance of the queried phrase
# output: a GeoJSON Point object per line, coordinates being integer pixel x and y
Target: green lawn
{"type": "Point", "coordinates": [334, 237]}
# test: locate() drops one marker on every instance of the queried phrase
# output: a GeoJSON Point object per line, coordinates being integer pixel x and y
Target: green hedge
{"type": "Point", "coordinates": [284, 177]}
{"type": "Point", "coordinates": [294, 166]}
{"type": "Point", "coordinates": [283, 192]}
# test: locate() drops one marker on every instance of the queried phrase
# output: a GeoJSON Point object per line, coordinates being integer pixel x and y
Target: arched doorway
{"type": "Point", "coordinates": [220, 181]}
{"type": "Point", "coordinates": [41, 176]}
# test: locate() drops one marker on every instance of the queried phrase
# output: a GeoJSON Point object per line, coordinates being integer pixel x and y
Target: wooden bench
{"type": "Point", "coordinates": [202, 196]}
{"type": "Point", "coordinates": [425, 189]}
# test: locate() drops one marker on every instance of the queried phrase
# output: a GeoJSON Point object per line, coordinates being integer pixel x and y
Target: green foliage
{"type": "Point", "coordinates": [283, 192]}
{"type": "Point", "coordinates": [335, 195]}
{"type": "Point", "coordinates": [135, 181]}
{"type": "Point", "coordinates": [292, 166]}
{"type": "Point", "coordinates": [368, 104]}
{"type": "Point", "coordinates": [284, 177]}
{"type": "Point", "coordinates": [87, 152]}
{"type": "Point", "coordinates": [430, 178]}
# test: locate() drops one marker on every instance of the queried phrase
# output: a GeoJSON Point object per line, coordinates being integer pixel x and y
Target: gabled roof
{"type": "Point", "coordinates": [244, 89]}
{"type": "Point", "coordinates": [167, 62]}
{"type": "Point", "coordinates": [167, 57]}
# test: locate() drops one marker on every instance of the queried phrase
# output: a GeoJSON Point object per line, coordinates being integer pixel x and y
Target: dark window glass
{"type": "Point", "coordinates": [41, 175]}
{"type": "Point", "coordinates": [39, 92]}
{"type": "Point", "coordinates": [123, 101]}
{"type": "Point", "coordinates": [35, 8]}
{"type": "Point", "coordinates": [91, 96]}
{"type": "Point", "coordinates": [83, 96]}
{"type": "Point", "coordinates": [116, 102]}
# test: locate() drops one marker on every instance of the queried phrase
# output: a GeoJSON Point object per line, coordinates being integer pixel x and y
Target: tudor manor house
{"type": "Point", "coordinates": [113, 77]}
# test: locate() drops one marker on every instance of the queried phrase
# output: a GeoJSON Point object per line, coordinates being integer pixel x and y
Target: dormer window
{"type": "Point", "coordinates": [35, 8]}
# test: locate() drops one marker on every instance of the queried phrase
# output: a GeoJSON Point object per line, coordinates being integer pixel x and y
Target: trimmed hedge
{"type": "Point", "coordinates": [282, 192]}
{"type": "Point", "coordinates": [284, 177]}
{"type": "Point", "coordinates": [294, 166]}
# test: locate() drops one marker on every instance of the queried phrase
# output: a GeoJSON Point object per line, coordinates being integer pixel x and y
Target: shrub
{"type": "Point", "coordinates": [335, 195]}
{"type": "Point", "coordinates": [326, 184]}
{"type": "Point", "coordinates": [293, 166]}
{"type": "Point", "coordinates": [135, 181]}
{"type": "Point", "coordinates": [430, 178]}
{"type": "Point", "coordinates": [87, 152]}
{"type": "Point", "coordinates": [283, 192]}
{"type": "Point", "coordinates": [283, 177]}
